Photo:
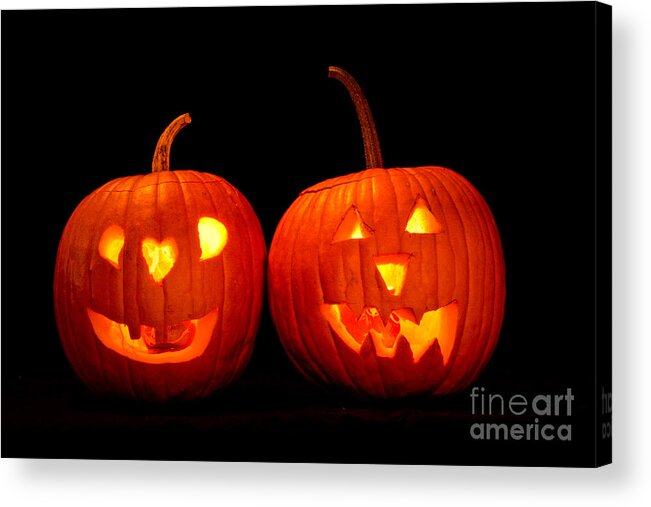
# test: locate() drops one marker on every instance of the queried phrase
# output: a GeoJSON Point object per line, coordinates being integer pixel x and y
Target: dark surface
{"type": "Point", "coordinates": [503, 94]}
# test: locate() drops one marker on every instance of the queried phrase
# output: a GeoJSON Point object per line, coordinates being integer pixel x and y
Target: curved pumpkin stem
{"type": "Point", "coordinates": [372, 151]}
{"type": "Point", "coordinates": [161, 160]}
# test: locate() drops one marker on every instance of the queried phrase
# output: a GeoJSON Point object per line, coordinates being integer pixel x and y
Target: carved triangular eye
{"type": "Point", "coordinates": [213, 237]}
{"type": "Point", "coordinates": [422, 220]}
{"type": "Point", "coordinates": [111, 243]}
{"type": "Point", "coordinates": [352, 227]}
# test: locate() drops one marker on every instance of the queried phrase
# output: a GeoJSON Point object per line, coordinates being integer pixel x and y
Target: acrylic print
{"type": "Point", "coordinates": [346, 234]}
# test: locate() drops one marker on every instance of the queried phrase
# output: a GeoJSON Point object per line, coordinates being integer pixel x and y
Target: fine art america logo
{"type": "Point", "coordinates": [540, 416]}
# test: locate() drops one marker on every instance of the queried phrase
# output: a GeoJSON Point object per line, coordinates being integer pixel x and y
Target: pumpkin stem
{"type": "Point", "coordinates": [161, 160]}
{"type": "Point", "coordinates": [372, 151]}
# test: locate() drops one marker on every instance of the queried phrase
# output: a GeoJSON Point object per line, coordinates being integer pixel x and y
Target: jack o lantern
{"type": "Point", "coordinates": [388, 282]}
{"type": "Point", "coordinates": [159, 283]}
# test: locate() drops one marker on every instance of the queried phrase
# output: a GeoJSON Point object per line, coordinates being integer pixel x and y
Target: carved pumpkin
{"type": "Point", "coordinates": [159, 283]}
{"type": "Point", "coordinates": [388, 282]}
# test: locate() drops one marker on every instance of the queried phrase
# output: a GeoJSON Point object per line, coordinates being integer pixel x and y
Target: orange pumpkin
{"type": "Point", "coordinates": [388, 282]}
{"type": "Point", "coordinates": [159, 283]}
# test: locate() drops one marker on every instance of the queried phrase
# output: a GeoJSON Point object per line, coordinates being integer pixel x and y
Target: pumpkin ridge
{"type": "Point", "coordinates": [63, 253]}
{"type": "Point", "coordinates": [132, 381]}
{"type": "Point", "coordinates": [307, 338]}
{"type": "Point", "coordinates": [469, 204]}
{"type": "Point", "coordinates": [97, 347]}
{"type": "Point", "coordinates": [135, 383]}
{"type": "Point", "coordinates": [413, 179]}
{"type": "Point", "coordinates": [437, 240]}
{"type": "Point", "coordinates": [293, 321]}
{"type": "Point", "coordinates": [189, 227]}
{"type": "Point", "coordinates": [387, 201]}
{"type": "Point", "coordinates": [240, 214]}
{"type": "Point", "coordinates": [346, 179]}
{"type": "Point", "coordinates": [379, 283]}
{"type": "Point", "coordinates": [495, 246]}
{"type": "Point", "coordinates": [218, 180]}
{"type": "Point", "coordinates": [214, 374]}
{"type": "Point", "coordinates": [220, 342]}
{"type": "Point", "coordinates": [419, 189]}
{"type": "Point", "coordinates": [321, 186]}
{"type": "Point", "coordinates": [461, 325]}
{"type": "Point", "coordinates": [244, 208]}
{"type": "Point", "coordinates": [293, 301]}
{"type": "Point", "coordinates": [341, 362]}
{"type": "Point", "coordinates": [213, 370]}
{"type": "Point", "coordinates": [498, 273]}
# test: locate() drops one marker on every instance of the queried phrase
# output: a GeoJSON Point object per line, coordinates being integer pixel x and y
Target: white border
{"type": "Point", "coordinates": [627, 482]}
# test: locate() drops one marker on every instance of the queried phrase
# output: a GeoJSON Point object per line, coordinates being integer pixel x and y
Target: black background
{"type": "Point", "coordinates": [502, 93]}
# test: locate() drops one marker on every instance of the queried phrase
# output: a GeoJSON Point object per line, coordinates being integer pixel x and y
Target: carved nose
{"type": "Point", "coordinates": [160, 257]}
{"type": "Point", "coordinates": [393, 270]}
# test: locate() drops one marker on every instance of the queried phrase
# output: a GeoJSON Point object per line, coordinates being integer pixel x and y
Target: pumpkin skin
{"type": "Point", "coordinates": [136, 325]}
{"type": "Point", "coordinates": [345, 321]}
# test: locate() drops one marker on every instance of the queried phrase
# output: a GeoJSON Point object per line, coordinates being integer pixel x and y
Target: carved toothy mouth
{"type": "Point", "coordinates": [189, 339]}
{"type": "Point", "coordinates": [435, 326]}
